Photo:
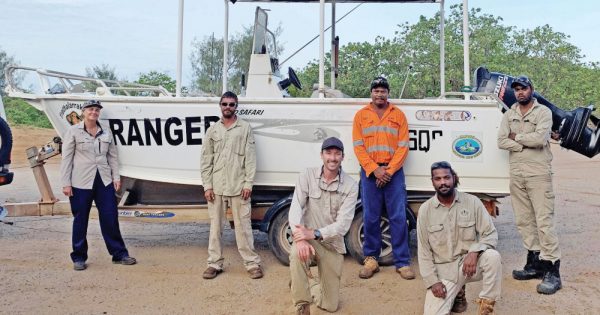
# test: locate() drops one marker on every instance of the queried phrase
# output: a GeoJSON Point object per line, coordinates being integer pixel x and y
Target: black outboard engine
{"type": "Point", "coordinates": [571, 125]}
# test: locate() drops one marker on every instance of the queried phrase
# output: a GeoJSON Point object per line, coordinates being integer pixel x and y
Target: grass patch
{"type": "Point", "coordinates": [19, 112]}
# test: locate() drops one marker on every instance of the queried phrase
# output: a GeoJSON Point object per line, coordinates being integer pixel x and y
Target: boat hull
{"type": "Point", "coordinates": [160, 139]}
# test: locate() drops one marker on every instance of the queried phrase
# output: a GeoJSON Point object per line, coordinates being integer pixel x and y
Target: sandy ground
{"type": "Point", "coordinates": [36, 274]}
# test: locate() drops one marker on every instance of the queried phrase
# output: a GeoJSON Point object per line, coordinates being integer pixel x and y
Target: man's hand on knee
{"type": "Point", "coordinates": [439, 290]}
{"type": "Point", "coordinates": [470, 264]}
{"type": "Point", "coordinates": [305, 250]}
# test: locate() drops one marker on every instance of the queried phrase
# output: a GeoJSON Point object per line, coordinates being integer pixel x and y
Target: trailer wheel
{"type": "Point", "coordinates": [5, 142]}
{"type": "Point", "coordinates": [355, 236]}
{"type": "Point", "coordinates": [280, 236]}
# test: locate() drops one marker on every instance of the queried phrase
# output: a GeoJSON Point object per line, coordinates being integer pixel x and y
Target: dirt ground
{"type": "Point", "coordinates": [36, 274]}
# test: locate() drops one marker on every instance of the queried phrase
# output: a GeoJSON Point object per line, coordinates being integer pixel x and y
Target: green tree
{"type": "Point", "coordinates": [207, 60]}
{"type": "Point", "coordinates": [19, 112]}
{"type": "Point", "coordinates": [104, 72]}
{"type": "Point", "coordinates": [5, 60]}
{"type": "Point", "coordinates": [158, 78]}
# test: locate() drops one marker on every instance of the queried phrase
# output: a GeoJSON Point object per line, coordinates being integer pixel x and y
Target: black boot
{"type": "Point", "coordinates": [532, 269]}
{"type": "Point", "coordinates": [551, 282]}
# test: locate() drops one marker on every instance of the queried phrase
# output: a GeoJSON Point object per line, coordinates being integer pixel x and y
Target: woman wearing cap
{"type": "Point", "coordinates": [90, 172]}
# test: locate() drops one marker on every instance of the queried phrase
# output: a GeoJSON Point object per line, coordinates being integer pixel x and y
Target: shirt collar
{"type": "Point", "coordinates": [457, 198]}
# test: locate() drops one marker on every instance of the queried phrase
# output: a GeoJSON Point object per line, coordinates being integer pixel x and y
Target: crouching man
{"type": "Point", "coordinates": [320, 215]}
{"type": "Point", "coordinates": [456, 245]}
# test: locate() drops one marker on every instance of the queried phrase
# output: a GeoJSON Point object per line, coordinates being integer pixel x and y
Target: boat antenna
{"type": "Point", "coordinates": [408, 72]}
{"type": "Point", "coordinates": [317, 36]}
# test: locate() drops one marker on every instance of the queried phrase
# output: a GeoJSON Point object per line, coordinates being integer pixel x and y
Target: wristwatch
{"type": "Point", "coordinates": [318, 235]}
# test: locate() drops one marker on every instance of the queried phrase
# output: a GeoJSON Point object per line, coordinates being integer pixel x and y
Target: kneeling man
{"type": "Point", "coordinates": [320, 215]}
{"type": "Point", "coordinates": [456, 245]}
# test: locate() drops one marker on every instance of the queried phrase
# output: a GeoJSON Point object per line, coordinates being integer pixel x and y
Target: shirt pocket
{"type": "Point", "coordinates": [515, 125]}
{"type": "Point", "coordinates": [529, 125]}
{"type": "Point", "coordinates": [84, 144]}
{"type": "Point", "coordinates": [104, 144]}
{"type": "Point", "coordinates": [437, 236]}
{"type": "Point", "coordinates": [217, 142]}
{"type": "Point", "coordinates": [467, 230]}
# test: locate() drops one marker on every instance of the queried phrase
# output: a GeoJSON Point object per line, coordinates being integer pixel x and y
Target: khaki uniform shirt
{"type": "Point", "coordinates": [83, 154]}
{"type": "Point", "coordinates": [529, 153]}
{"type": "Point", "coordinates": [446, 235]}
{"type": "Point", "coordinates": [328, 208]}
{"type": "Point", "coordinates": [228, 158]}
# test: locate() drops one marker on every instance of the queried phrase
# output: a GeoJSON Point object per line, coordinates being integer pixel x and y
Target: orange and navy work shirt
{"type": "Point", "coordinates": [380, 140]}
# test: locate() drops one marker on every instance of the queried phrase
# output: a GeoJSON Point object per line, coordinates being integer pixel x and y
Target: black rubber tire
{"type": "Point", "coordinates": [280, 236]}
{"type": "Point", "coordinates": [354, 240]}
{"type": "Point", "coordinates": [5, 142]}
{"type": "Point", "coordinates": [354, 237]}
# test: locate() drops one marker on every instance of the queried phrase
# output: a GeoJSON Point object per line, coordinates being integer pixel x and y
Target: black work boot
{"type": "Point", "coordinates": [532, 269]}
{"type": "Point", "coordinates": [460, 302]}
{"type": "Point", "coordinates": [551, 282]}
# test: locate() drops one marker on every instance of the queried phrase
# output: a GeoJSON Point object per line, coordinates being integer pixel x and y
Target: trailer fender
{"type": "Point", "coordinates": [6, 177]}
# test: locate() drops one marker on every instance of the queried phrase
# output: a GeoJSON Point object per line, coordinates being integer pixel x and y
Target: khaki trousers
{"type": "Point", "coordinates": [243, 231]}
{"type": "Point", "coordinates": [533, 205]}
{"type": "Point", "coordinates": [326, 289]}
{"type": "Point", "coordinates": [489, 269]}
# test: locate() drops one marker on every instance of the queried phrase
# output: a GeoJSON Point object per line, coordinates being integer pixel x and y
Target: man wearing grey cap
{"type": "Point", "coordinates": [320, 215]}
{"type": "Point", "coordinates": [524, 133]}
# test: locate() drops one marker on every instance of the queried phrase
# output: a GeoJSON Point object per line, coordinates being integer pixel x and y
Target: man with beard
{"type": "Point", "coordinates": [456, 241]}
{"type": "Point", "coordinates": [228, 166]}
{"type": "Point", "coordinates": [380, 138]}
{"type": "Point", "coordinates": [524, 133]}
{"type": "Point", "coordinates": [320, 215]}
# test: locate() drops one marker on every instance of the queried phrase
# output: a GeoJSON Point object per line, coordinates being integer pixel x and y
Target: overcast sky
{"type": "Point", "coordinates": [136, 36]}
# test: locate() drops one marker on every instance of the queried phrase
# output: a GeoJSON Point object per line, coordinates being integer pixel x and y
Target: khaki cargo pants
{"type": "Point", "coordinates": [243, 231]}
{"type": "Point", "coordinates": [326, 289]}
{"type": "Point", "coordinates": [533, 205]}
{"type": "Point", "coordinates": [489, 269]}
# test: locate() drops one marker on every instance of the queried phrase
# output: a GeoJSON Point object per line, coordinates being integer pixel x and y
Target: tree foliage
{"type": "Point", "coordinates": [19, 112]}
{"type": "Point", "coordinates": [158, 78]}
{"type": "Point", "coordinates": [104, 72]}
{"type": "Point", "coordinates": [207, 60]}
{"type": "Point", "coordinates": [5, 60]}
{"type": "Point", "coordinates": [546, 56]}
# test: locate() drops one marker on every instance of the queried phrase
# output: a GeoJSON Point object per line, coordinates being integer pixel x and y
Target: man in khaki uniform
{"type": "Point", "coordinates": [228, 167]}
{"type": "Point", "coordinates": [456, 239]}
{"type": "Point", "coordinates": [320, 215]}
{"type": "Point", "coordinates": [524, 132]}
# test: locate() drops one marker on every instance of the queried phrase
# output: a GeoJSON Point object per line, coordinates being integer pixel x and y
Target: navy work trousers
{"type": "Point", "coordinates": [392, 198]}
{"type": "Point", "coordinates": [81, 203]}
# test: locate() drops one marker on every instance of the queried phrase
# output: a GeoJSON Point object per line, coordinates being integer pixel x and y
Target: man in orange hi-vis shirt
{"type": "Point", "coordinates": [380, 138]}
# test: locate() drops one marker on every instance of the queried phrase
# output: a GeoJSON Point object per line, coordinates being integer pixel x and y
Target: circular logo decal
{"type": "Point", "coordinates": [467, 147]}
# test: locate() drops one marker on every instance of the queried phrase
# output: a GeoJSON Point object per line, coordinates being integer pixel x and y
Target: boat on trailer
{"type": "Point", "coordinates": [159, 136]}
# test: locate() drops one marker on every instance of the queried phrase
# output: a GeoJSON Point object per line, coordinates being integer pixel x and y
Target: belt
{"type": "Point", "coordinates": [382, 164]}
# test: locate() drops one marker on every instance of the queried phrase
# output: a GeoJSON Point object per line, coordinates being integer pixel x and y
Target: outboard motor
{"type": "Point", "coordinates": [571, 125]}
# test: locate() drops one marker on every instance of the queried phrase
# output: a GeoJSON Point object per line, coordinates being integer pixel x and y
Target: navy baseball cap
{"type": "Point", "coordinates": [332, 142]}
{"type": "Point", "coordinates": [380, 82]}
{"type": "Point", "coordinates": [522, 81]}
{"type": "Point", "coordinates": [92, 103]}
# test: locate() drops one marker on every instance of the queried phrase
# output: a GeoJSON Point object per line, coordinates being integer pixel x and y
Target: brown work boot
{"type": "Point", "coordinates": [303, 309]}
{"type": "Point", "coordinates": [255, 273]}
{"type": "Point", "coordinates": [370, 267]}
{"type": "Point", "coordinates": [460, 302]}
{"type": "Point", "coordinates": [406, 272]}
{"type": "Point", "coordinates": [211, 273]}
{"type": "Point", "coordinates": [486, 307]}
